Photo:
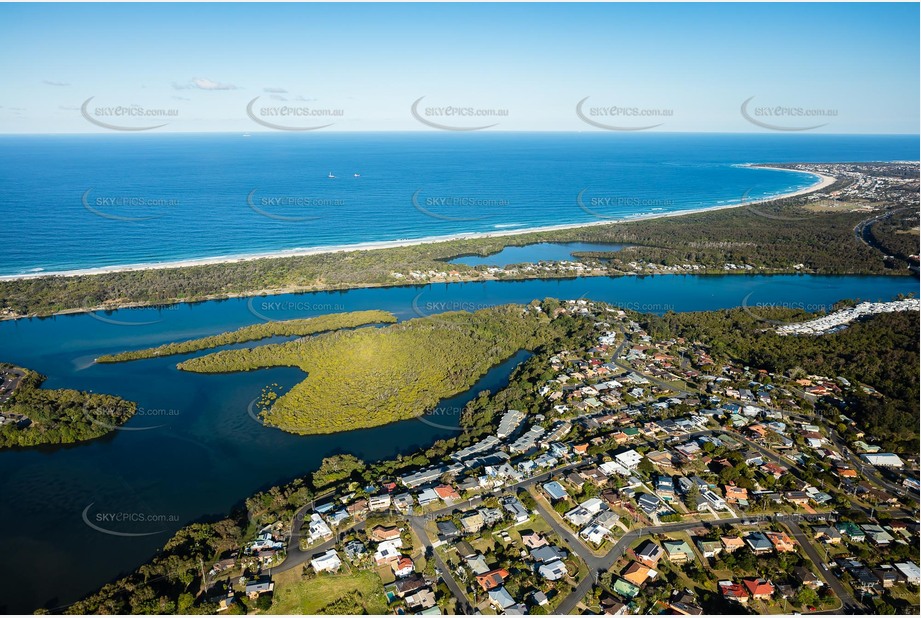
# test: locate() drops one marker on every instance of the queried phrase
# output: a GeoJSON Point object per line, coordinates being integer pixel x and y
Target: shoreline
{"type": "Point", "coordinates": [822, 182]}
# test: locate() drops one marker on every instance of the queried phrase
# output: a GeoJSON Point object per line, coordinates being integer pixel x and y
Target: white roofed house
{"type": "Point", "coordinates": [583, 514]}
{"type": "Point", "coordinates": [317, 529]}
{"type": "Point", "coordinates": [594, 534]}
{"type": "Point", "coordinates": [328, 562]}
{"type": "Point", "coordinates": [629, 459]}
{"type": "Point", "coordinates": [387, 552]}
{"type": "Point", "coordinates": [553, 571]}
{"type": "Point", "coordinates": [883, 460]}
{"type": "Point", "coordinates": [380, 502]}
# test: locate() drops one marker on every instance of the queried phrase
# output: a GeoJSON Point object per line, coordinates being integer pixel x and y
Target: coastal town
{"type": "Point", "coordinates": [653, 479]}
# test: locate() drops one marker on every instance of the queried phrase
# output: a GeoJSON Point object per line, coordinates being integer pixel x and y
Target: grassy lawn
{"type": "Point", "coordinates": [903, 592]}
{"type": "Point", "coordinates": [295, 595]}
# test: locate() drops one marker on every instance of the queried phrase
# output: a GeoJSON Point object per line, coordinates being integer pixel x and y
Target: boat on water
{"type": "Point", "coordinates": [356, 175]}
{"type": "Point", "coordinates": [330, 175]}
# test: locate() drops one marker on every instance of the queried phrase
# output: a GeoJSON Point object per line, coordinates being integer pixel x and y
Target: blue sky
{"type": "Point", "coordinates": [853, 68]}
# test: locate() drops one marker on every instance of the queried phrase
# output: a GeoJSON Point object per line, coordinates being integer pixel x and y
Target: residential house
{"type": "Point", "coordinates": [649, 553]}
{"type": "Point", "coordinates": [678, 551]}
{"type": "Point", "coordinates": [806, 577]}
{"type": "Point", "coordinates": [758, 543]}
{"type": "Point", "coordinates": [827, 534]}
{"type": "Point", "coordinates": [447, 530]}
{"type": "Point", "coordinates": [547, 554]}
{"type": "Point", "coordinates": [909, 571]}
{"type": "Point", "coordinates": [575, 480]}
{"type": "Point", "coordinates": [385, 533]}
{"type": "Point", "coordinates": [709, 549]}
{"type": "Point", "coordinates": [358, 508]}
{"type": "Point", "coordinates": [427, 496]}
{"type": "Point", "coordinates": [516, 509]}
{"type": "Point", "coordinates": [492, 579]}
{"type": "Point", "coordinates": [594, 533]}
{"type": "Point", "coordinates": [665, 488]}
{"type": "Point", "coordinates": [629, 459]}
{"type": "Point", "coordinates": [886, 575]}
{"type": "Point", "coordinates": [500, 598]}
{"type": "Point", "coordinates": [851, 531]}
{"type": "Point", "coordinates": [532, 540]}
{"type": "Point", "coordinates": [465, 549]}
{"type": "Point", "coordinates": [781, 541]}
{"type": "Point", "coordinates": [759, 589]}
{"type": "Point", "coordinates": [477, 564]}
{"type": "Point", "coordinates": [648, 503]}
{"type": "Point", "coordinates": [317, 529]}
{"type": "Point", "coordinates": [472, 522]}
{"type": "Point", "coordinates": [380, 502]}
{"type": "Point", "coordinates": [555, 491]}
{"type": "Point", "coordinates": [877, 535]}
{"type": "Point", "coordinates": [354, 550]}
{"type": "Point", "coordinates": [421, 599]}
{"type": "Point", "coordinates": [403, 502]}
{"type": "Point", "coordinates": [258, 587]}
{"type": "Point", "coordinates": [734, 494]}
{"type": "Point", "coordinates": [387, 552]}
{"type": "Point", "coordinates": [797, 498]}
{"type": "Point", "coordinates": [328, 562]}
{"type": "Point", "coordinates": [403, 567]}
{"type": "Point", "coordinates": [734, 592]}
{"type": "Point", "coordinates": [638, 574]}
{"type": "Point", "coordinates": [448, 494]}
{"type": "Point", "coordinates": [625, 589]}
{"type": "Point", "coordinates": [553, 571]}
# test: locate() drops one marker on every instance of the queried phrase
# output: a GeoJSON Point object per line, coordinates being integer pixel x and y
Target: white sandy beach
{"type": "Point", "coordinates": [822, 182]}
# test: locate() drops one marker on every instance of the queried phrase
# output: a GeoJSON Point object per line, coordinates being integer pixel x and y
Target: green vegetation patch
{"type": "Point", "coordinates": [359, 593]}
{"type": "Point", "coordinates": [60, 416]}
{"type": "Point", "coordinates": [371, 377]}
{"type": "Point", "coordinates": [285, 328]}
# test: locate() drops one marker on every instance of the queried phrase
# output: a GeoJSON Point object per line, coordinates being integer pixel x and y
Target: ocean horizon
{"type": "Point", "coordinates": [99, 201]}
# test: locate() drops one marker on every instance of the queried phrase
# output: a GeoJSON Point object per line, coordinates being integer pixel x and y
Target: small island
{"type": "Point", "coordinates": [33, 416]}
{"type": "Point", "coordinates": [255, 332]}
{"type": "Point", "coordinates": [370, 377]}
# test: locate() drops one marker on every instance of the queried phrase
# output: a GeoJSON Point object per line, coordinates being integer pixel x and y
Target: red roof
{"type": "Point", "coordinates": [733, 591]}
{"type": "Point", "coordinates": [759, 587]}
{"type": "Point", "coordinates": [403, 563]}
{"type": "Point", "coordinates": [492, 579]}
{"type": "Point", "coordinates": [446, 491]}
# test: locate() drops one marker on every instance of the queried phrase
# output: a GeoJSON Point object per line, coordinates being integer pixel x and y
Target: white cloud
{"type": "Point", "coordinates": [201, 83]}
{"type": "Point", "coordinates": [52, 83]}
{"type": "Point", "coordinates": [275, 90]}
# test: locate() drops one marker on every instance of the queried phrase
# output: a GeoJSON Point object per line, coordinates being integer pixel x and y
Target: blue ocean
{"type": "Point", "coordinates": [74, 202]}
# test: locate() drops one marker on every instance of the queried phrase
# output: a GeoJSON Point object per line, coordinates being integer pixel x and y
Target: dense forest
{"type": "Point", "coordinates": [371, 377]}
{"type": "Point", "coordinates": [897, 234]}
{"type": "Point", "coordinates": [60, 416]}
{"type": "Point", "coordinates": [774, 236]}
{"type": "Point", "coordinates": [881, 351]}
{"type": "Point", "coordinates": [301, 328]}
